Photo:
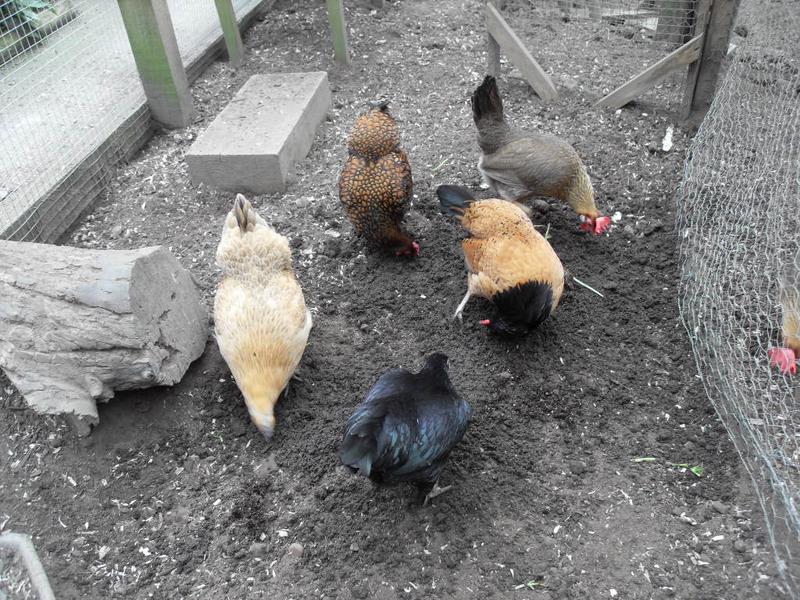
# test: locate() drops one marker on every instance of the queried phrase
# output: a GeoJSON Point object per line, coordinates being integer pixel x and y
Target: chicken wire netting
{"type": "Point", "coordinates": [68, 82]}
{"type": "Point", "coordinates": [620, 37]}
{"type": "Point", "coordinates": [739, 222]}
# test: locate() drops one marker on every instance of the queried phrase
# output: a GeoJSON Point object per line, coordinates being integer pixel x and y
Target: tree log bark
{"type": "Point", "coordinates": [76, 325]}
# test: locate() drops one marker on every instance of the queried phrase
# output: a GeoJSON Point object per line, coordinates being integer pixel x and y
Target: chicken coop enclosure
{"type": "Point", "coordinates": [72, 103]}
{"type": "Point", "coordinates": [738, 227]}
{"type": "Point", "coordinates": [623, 37]}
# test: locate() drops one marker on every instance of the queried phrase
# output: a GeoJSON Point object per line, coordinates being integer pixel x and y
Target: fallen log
{"type": "Point", "coordinates": [76, 325]}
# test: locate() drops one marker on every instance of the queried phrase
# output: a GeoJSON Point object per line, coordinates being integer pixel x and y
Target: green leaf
{"type": "Point", "coordinates": [698, 470]}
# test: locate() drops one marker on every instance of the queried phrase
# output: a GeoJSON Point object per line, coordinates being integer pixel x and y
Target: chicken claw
{"type": "Point", "coordinates": [436, 491]}
{"type": "Point", "coordinates": [783, 358]}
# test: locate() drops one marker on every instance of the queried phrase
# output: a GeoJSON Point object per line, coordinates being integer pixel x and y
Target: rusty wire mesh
{"type": "Point", "coordinates": [739, 225]}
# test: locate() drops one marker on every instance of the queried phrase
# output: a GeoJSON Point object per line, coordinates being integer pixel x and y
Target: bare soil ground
{"type": "Point", "coordinates": [175, 495]}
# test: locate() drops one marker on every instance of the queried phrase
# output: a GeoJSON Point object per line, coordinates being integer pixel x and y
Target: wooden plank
{"type": "Point", "coordinates": [158, 61]}
{"type": "Point", "coordinates": [492, 51]}
{"type": "Point", "coordinates": [338, 31]}
{"type": "Point", "coordinates": [633, 88]}
{"type": "Point", "coordinates": [519, 55]}
{"type": "Point", "coordinates": [230, 31]}
{"type": "Point", "coordinates": [699, 25]}
{"type": "Point", "coordinates": [721, 16]}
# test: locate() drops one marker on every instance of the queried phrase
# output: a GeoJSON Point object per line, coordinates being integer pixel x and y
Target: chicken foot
{"type": "Point", "coordinates": [435, 491]}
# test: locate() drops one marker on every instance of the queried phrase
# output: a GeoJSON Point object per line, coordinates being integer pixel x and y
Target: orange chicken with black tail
{"type": "Point", "coordinates": [509, 262]}
{"type": "Point", "coordinates": [375, 186]}
{"type": "Point", "coordinates": [260, 316]}
{"type": "Point", "coordinates": [518, 165]}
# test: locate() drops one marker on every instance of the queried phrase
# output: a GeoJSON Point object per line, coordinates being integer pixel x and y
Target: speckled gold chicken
{"type": "Point", "coordinates": [375, 185]}
{"type": "Point", "coordinates": [509, 262]}
{"type": "Point", "coordinates": [260, 317]}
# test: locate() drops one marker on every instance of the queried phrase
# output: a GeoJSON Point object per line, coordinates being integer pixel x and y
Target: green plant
{"type": "Point", "coordinates": [22, 16]}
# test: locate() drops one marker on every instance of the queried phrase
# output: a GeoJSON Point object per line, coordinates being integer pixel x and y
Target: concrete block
{"type": "Point", "coordinates": [269, 125]}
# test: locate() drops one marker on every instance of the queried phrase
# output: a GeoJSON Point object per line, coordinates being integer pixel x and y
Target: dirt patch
{"type": "Point", "coordinates": [175, 495]}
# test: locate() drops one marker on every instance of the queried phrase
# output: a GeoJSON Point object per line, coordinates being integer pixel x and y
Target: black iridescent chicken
{"type": "Point", "coordinates": [406, 427]}
{"type": "Point", "coordinates": [375, 186]}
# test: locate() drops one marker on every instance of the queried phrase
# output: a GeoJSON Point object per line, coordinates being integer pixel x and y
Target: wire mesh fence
{"type": "Point", "coordinates": [739, 224]}
{"type": "Point", "coordinates": [70, 95]}
{"type": "Point", "coordinates": [624, 37]}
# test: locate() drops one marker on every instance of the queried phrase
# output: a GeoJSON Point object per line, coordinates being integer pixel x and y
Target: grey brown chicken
{"type": "Point", "coordinates": [375, 186]}
{"type": "Point", "coordinates": [517, 165]}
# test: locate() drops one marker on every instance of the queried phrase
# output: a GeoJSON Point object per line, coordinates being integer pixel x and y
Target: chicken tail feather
{"type": "Point", "coordinates": [244, 213]}
{"type": "Point", "coordinates": [360, 443]}
{"type": "Point", "coordinates": [454, 199]}
{"type": "Point", "coordinates": [486, 101]}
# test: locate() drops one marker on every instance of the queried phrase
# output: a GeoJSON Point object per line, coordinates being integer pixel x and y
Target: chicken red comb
{"type": "Point", "coordinates": [783, 358]}
{"type": "Point", "coordinates": [597, 226]}
{"type": "Point", "coordinates": [601, 225]}
{"type": "Point", "coordinates": [485, 322]}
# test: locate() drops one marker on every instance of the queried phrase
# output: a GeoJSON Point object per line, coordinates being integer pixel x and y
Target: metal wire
{"type": "Point", "coordinates": [621, 37]}
{"type": "Point", "coordinates": [739, 225]}
{"type": "Point", "coordinates": [67, 83]}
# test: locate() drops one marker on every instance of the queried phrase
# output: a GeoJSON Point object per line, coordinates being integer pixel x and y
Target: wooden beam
{"type": "Point", "coordinates": [492, 51]}
{"type": "Point", "coordinates": [519, 55]}
{"type": "Point", "coordinates": [338, 31]}
{"type": "Point", "coordinates": [158, 61]}
{"type": "Point", "coordinates": [230, 31]}
{"type": "Point", "coordinates": [686, 54]}
{"type": "Point", "coordinates": [721, 15]}
{"type": "Point", "coordinates": [699, 24]}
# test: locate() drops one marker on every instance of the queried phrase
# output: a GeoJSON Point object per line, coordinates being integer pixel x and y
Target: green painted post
{"type": "Point", "coordinates": [230, 30]}
{"type": "Point", "coordinates": [338, 31]}
{"type": "Point", "coordinates": [158, 61]}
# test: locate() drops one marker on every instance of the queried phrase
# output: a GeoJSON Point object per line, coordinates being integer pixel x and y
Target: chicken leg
{"type": "Point", "coordinates": [435, 491]}
{"type": "Point", "coordinates": [461, 306]}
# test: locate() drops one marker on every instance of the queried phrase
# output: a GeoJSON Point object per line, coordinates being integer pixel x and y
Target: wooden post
{"type": "Point", "coordinates": [686, 54]}
{"type": "Point", "coordinates": [230, 31]}
{"type": "Point", "coordinates": [338, 31]}
{"type": "Point", "coordinates": [158, 61]}
{"type": "Point", "coordinates": [702, 79]}
{"type": "Point", "coordinates": [519, 55]}
{"type": "Point", "coordinates": [493, 51]}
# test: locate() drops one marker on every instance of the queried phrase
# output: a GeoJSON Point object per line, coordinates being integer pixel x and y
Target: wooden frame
{"type": "Point", "coordinates": [715, 18]}
{"type": "Point", "coordinates": [685, 55]}
{"type": "Point", "coordinates": [504, 38]}
{"type": "Point", "coordinates": [158, 60]}
{"type": "Point", "coordinates": [338, 31]}
{"type": "Point", "coordinates": [230, 31]}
